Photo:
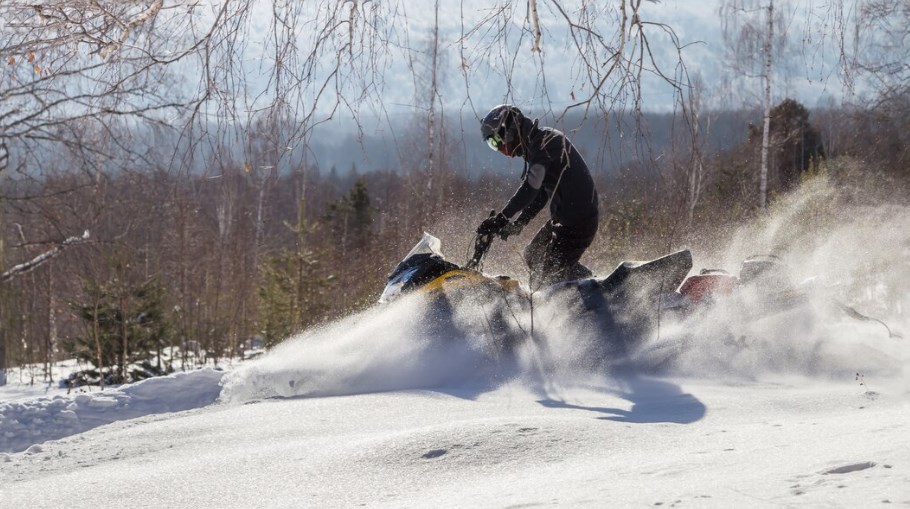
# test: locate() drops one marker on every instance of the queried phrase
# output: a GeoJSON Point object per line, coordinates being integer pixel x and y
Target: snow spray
{"type": "Point", "coordinates": [396, 346]}
{"type": "Point", "coordinates": [855, 256]}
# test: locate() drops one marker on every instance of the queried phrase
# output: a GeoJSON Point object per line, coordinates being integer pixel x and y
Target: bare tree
{"type": "Point", "coordinates": [81, 61]}
{"type": "Point", "coordinates": [871, 42]}
{"type": "Point", "coordinates": [755, 49]}
{"type": "Point", "coordinates": [610, 45]}
{"type": "Point", "coordinates": [695, 173]}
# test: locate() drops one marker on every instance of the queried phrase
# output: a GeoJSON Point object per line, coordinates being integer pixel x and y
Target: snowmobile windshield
{"type": "Point", "coordinates": [422, 264]}
{"type": "Point", "coordinates": [428, 245]}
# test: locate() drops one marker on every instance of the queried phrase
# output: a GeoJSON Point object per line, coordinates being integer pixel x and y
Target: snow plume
{"type": "Point", "coordinates": [406, 344]}
{"type": "Point", "coordinates": [805, 341]}
{"type": "Point", "coordinates": [845, 254]}
{"type": "Point", "coordinates": [860, 251]}
{"type": "Point", "coordinates": [457, 343]}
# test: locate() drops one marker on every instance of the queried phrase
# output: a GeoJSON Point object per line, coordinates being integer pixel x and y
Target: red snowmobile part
{"type": "Point", "coordinates": [708, 285]}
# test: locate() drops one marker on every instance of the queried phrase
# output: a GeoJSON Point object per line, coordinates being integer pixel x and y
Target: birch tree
{"type": "Point", "coordinates": [755, 38]}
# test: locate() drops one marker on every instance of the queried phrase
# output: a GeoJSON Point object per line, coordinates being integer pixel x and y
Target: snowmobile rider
{"type": "Point", "coordinates": [554, 174]}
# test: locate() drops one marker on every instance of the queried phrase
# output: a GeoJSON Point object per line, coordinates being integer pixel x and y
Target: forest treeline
{"type": "Point", "coordinates": [208, 262]}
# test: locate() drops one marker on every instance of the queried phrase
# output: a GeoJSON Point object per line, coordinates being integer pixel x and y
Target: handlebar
{"type": "Point", "coordinates": [481, 246]}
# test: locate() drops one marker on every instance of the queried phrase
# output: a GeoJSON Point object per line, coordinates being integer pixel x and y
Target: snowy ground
{"type": "Point", "coordinates": [621, 443]}
{"type": "Point", "coordinates": [304, 426]}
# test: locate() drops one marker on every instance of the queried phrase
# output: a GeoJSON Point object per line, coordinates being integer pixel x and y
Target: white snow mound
{"type": "Point", "coordinates": [28, 422]}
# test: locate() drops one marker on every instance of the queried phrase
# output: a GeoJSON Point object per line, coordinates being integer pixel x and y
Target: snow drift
{"type": "Point", "coordinates": [23, 424]}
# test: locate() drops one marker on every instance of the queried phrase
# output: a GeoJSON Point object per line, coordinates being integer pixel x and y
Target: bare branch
{"type": "Point", "coordinates": [535, 21]}
{"type": "Point", "coordinates": [22, 268]}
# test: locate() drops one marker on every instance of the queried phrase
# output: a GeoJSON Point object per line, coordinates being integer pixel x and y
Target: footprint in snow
{"type": "Point", "coordinates": [435, 453]}
{"type": "Point", "coordinates": [853, 467]}
{"type": "Point", "coordinates": [801, 486]}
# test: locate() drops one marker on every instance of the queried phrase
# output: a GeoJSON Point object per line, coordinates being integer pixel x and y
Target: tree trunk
{"type": "Point", "coordinates": [2, 347]}
{"type": "Point", "coordinates": [431, 128]}
{"type": "Point", "coordinates": [51, 325]}
{"type": "Point", "coordinates": [696, 166]}
{"type": "Point", "coordinates": [2, 294]}
{"type": "Point", "coordinates": [299, 313]}
{"type": "Point", "coordinates": [96, 331]}
{"type": "Point", "coordinates": [766, 127]}
{"type": "Point", "coordinates": [124, 355]}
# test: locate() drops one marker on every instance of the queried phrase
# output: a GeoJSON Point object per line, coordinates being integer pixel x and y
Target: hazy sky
{"type": "Point", "coordinates": [696, 23]}
{"type": "Point", "coordinates": [504, 69]}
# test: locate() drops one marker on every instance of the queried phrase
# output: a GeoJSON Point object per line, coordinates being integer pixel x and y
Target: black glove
{"type": "Point", "coordinates": [510, 229]}
{"type": "Point", "coordinates": [492, 225]}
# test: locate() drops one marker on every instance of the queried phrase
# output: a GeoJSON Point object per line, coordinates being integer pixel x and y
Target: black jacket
{"type": "Point", "coordinates": [556, 173]}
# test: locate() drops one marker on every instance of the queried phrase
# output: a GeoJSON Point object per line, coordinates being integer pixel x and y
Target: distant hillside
{"type": "Point", "coordinates": [600, 143]}
{"type": "Point", "coordinates": [397, 144]}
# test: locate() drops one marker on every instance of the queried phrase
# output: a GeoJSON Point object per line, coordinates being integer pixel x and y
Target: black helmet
{"type": "Point", "coordinates": [501, 125]}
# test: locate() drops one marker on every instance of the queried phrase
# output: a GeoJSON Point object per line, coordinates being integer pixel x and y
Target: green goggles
{"type": "Point", "coordinates": [495, 142]}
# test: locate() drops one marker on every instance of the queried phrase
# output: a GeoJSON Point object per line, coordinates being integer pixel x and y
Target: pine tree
{"type": "Point", "coordinates": [796, 143]}
{"type": "Point", "coordinates": [292, 292]}
{"type": "Point", "coordinates": [125, 331]}
{"type": "Point", "coordinates": [351, 217]}
{"type": "Point", "coordinates": [350, 220]}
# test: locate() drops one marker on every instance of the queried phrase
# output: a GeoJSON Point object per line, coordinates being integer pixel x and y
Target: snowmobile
{"type": "Point", "coordinates": [622, 306]}
{"type": "Point", "coordinates": [634, 300]}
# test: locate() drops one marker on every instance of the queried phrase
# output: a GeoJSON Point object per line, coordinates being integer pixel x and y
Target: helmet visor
{"type": "Point", "coordinates": [495, 142]}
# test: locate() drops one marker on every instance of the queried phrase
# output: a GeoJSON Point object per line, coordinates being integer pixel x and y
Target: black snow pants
{"type": "Point", "coordinates": [554, 253]}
